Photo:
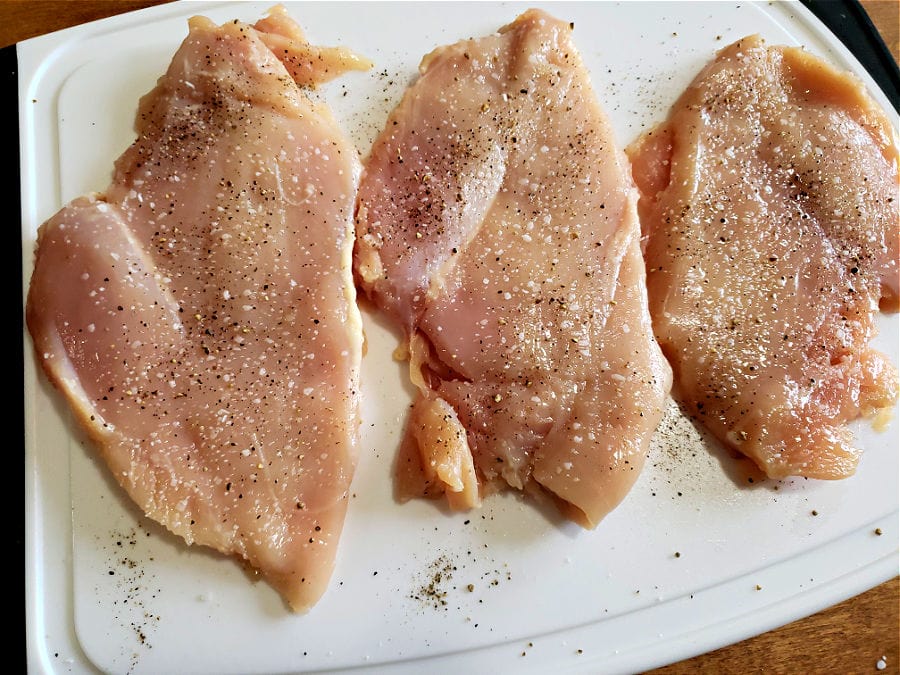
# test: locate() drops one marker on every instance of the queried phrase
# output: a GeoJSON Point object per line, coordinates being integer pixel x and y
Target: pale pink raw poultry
{"type": "Point", "coordinates": [200, 316]}
{"type": "Point", "coordinates": [497, 225]}
{"type": "Point", "coordinates": [769, 202]}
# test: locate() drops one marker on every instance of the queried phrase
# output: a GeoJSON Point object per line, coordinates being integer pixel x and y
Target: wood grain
{"type": "Point", "coordinates": [850, 638]}
{"type": "Point", "coordinates": [885, 14]}
{"type": "Point", "coordinates": [23, 19]}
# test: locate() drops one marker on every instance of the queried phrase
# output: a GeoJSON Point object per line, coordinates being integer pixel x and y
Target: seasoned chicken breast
{"type": "Point", "coordinates": [497, 226]}
{"type": "Point", "coordinates": [200, 316]}
{"type": "Point", "coordinates": [769, 202]}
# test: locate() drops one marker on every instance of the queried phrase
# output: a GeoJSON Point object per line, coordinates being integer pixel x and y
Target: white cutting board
{"type": "Point", "coordinates": [696, 556]}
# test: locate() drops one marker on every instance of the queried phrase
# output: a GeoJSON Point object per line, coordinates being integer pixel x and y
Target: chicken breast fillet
{"type": "Point", "coordinates": [769, 205]}
{"type": "Point", "coordinates": [200, 315]}
{"type": "Point", "coordinates": [497, 226]}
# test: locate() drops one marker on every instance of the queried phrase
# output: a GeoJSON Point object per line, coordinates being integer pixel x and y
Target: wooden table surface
{"type": "Point", "coordinates": [851, 637]}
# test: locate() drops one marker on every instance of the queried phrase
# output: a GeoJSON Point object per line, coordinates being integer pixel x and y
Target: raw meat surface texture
{"type": "Point", "coordinates": [200, 316]}
{"type": "Point", "coordinates": [770, 214]}
{"type": "Point", "coordinates": [497, 226]}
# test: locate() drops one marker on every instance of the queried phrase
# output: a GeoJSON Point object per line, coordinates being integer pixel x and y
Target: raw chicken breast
{"type": "Point", "coordinates": [497, 226]}
{"type": "Point", "coordinates": [769, 205]}
{"type": "Point", "coordinates": [200, 316]}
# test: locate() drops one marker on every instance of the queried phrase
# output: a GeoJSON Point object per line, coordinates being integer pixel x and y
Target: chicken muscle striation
{"type": "Point", "coordinates": [200, 315]}
{"type": "Point", "coordinates": [497, 225]}
{"type": "Point", "coordinates": [769, 206]}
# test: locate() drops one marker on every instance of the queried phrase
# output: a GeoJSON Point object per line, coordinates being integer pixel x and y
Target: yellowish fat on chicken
{"type": "Point", "coordinates": [769, 204]}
